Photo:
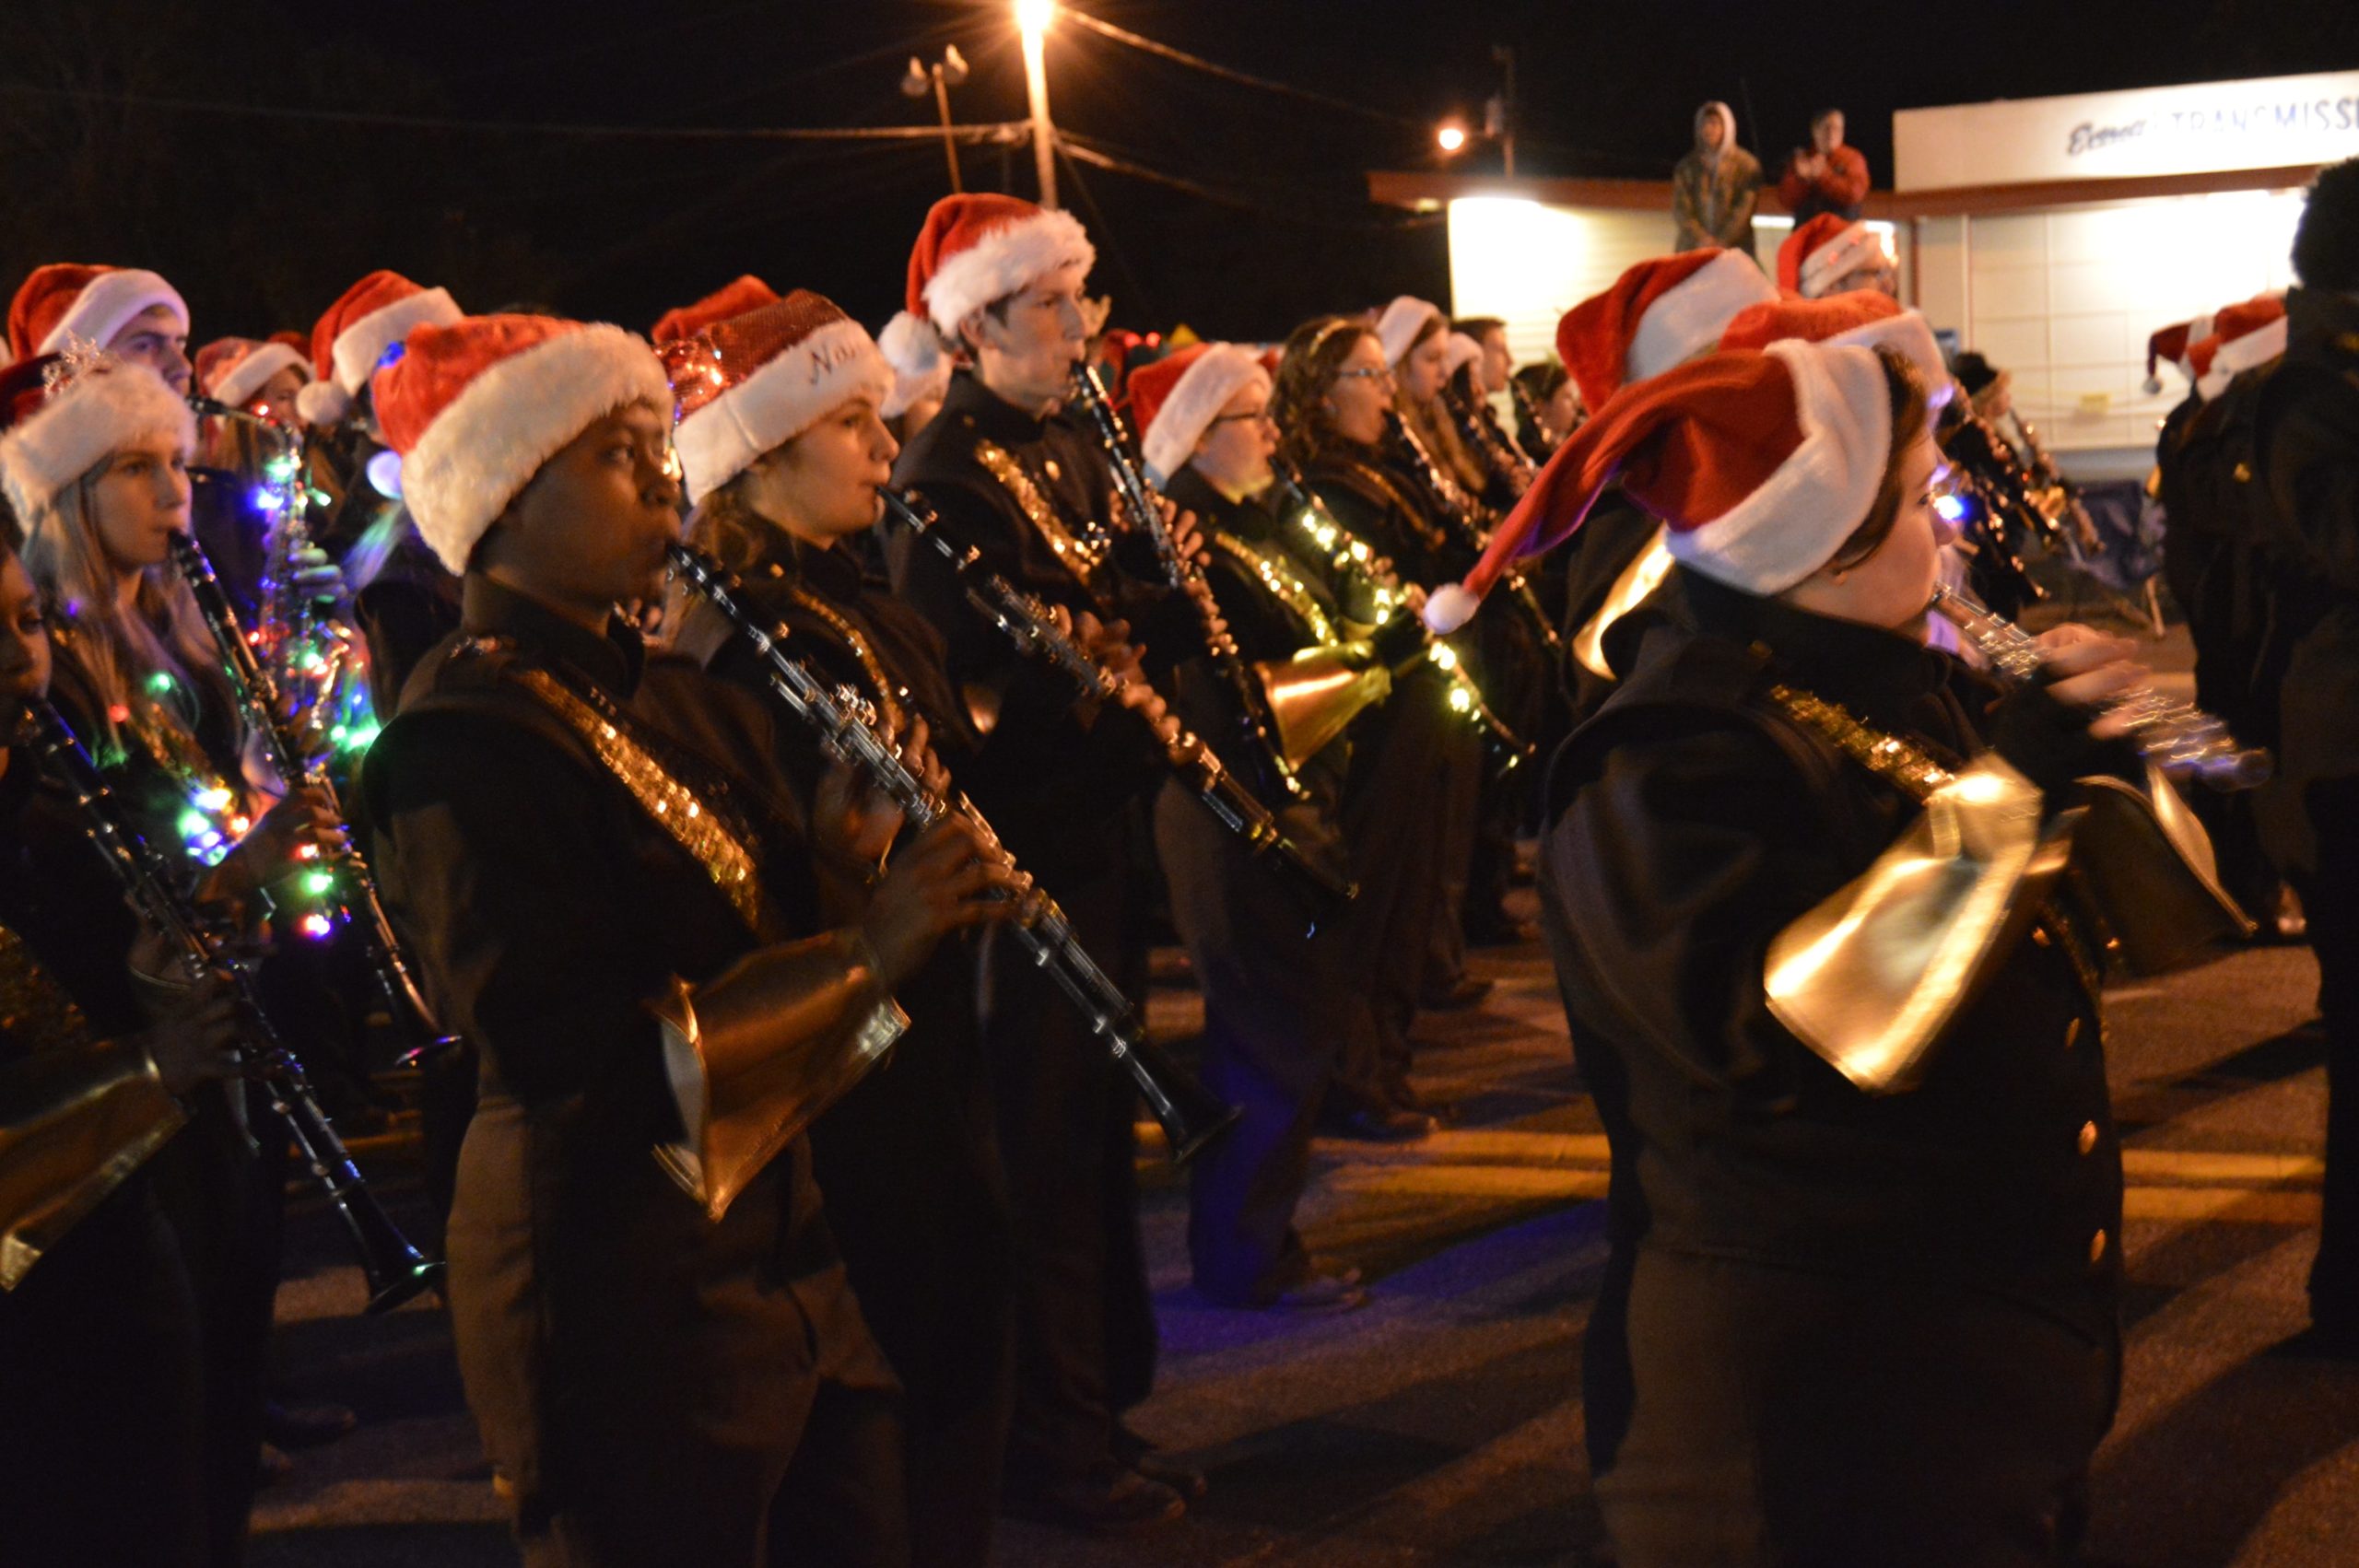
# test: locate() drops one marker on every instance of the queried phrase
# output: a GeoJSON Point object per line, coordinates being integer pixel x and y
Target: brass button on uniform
{"type": "Point", "coordinates": [2039, 936]}
{"type": "Point", "coordinates": [2096, 1250]}
{"type": "Point", "coordinates": [1049, 466]}
{"type": "Point", "coordinates": [2071, 1034]}
{"type": "Point", "coordinates": [2088, 1136]}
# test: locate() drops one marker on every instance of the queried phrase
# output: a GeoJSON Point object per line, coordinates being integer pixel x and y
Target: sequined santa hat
{"type": "Point", "coordinates": [1660, 312]}
{"type": "Point", "coordinates": [2243, 336]}
{"type": "Point", "coordinates": [1863, 318]}
{"type": "Point", "coordinates": [69, 299]}
{"type": "Point", "coordinates": [62, 415]}
{"type": "Point", "coordinates": [352, 339]}
{"type": "Point", "coordinates": [1820, 254]}
{"type": "Point", "coordinates": [234, 370]}
{"type": "Point", "coordinates": [1760, 465]}
{"type": "Point", "coordinates": [752, 383]}
{"type": "Point", "coordinates": [972, 250]}
{"type": "Point", "coordinates": [476, 406]}
{"type": "Point", "coordinates": [1175, 400]}
{"type": "Point", "coordinates": [734, 298]}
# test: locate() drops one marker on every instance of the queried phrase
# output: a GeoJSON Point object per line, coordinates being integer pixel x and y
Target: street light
{"type": "Point", "coordinates": [1032, 20]}
{"type": "Point", "coordinates": [1451, 136]}
{"type": "Point", "coordinates": [942, 75]}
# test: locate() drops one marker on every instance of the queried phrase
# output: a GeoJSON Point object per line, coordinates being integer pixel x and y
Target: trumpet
{"type": "Point", "coordinates": [2177, 737]}
{"type": "Point", "coordinates": [1465, 514]}
{"type": "Point", "coordinates": [355, 884]}
{"type": "Point", "coordinates": [1189, 1114]}
{"type": "Point", "coordinates": [395, 1270]}
{"type": "Point", "coordinates": [1026, 622]}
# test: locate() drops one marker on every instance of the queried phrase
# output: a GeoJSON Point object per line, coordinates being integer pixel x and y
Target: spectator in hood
{"type": "Point", "coordinates": [1716, 186]}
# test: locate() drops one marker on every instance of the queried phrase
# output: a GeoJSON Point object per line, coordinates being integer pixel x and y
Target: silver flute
{"type": "Point", "coordinates": [2177, 737]}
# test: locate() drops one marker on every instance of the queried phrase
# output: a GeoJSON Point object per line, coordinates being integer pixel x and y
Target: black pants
{"type": "Point", "coordinates": [1269, 1047]}
{"type": "Point", "coordinates": [1776, 1417]}
{"type": "Point", "coordinates": [2331, 899]}
{"type": "Point", "coordinates": [1085, 1325]}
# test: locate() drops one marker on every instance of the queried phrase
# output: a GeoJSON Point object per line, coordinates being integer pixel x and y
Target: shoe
{"type": "Point", "coordinates": [1388, 1125]}
{"type": "Point", "coordinates": [1506, 931]}
{"type": "Point", "coordinates": [1112, 1501]}
{"type": "Point", "coordinates": [1321, 1294]}
{"type": "Point", "coordinates": [1462, 992]}
{"type": "Point", "coordinates": [306, 1426]}
{"type": "Point", "coordinates": [1156, 1465]}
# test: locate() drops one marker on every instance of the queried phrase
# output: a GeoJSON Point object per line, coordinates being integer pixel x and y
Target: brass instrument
{"type": "Point", "coordinates": [1026, 621]}
{"type": "Point", "coordinates": [1467, 517]}
{"type": "Point", "coordinates": [1353, 568]}
{"type": "Point", "coordinates": [354, 886]}
{"type": "Point", "coordinates": [2177, 737]}
{"type": "Point", "coordinates": [1191, 1118]}
{"type": "Point", "coordinates": [395, 1270]}
{"type": "Point", "coordinates": [1138, 497]}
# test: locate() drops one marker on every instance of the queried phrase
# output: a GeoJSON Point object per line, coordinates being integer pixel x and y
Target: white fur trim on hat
{"type": "Point", "coordinates": [779, 402]}
{"type": "Point", "coordinates": [323, 404]}
{"type": "Point", "coordinates": [920, 361]}
{"type": "Point", "coordinates": [1398, 327]}
{"type": "Point", "coordinates": [1793, 523]}
{"type": "Point", "coordinates": [99, 413]}
{"type": "Point", "coordinates": [107, 304]}
{"type": "Point", "coordinates": [362, 343]}
{"type": "Point", "coordinates": [1461, 350]}
{"type": "Point", "coordinates": [1009, 258]}
{"type": "Point", "coordinates": [1202, 392]}
{"type": "Point", "coordinates": [2258, 346]}
{"type": "Point", "coordinates": [246, 378]}
{"type": "Point", "coordinates": [1828, 264]}
{"type": "Point", "coordinates": [488, 441]}
{"type": "Point", "coordinates": [1687, 319]}
{"type": "Point", "coordinates": [1911, 335]}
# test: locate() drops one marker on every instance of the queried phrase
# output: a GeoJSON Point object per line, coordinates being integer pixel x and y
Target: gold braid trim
{"type": "Point", "coordinates": [673, 805]}
{"type": "Point", "coordinates": [1373, 478]}
{"type": "Point", "coordinates": [1078, 556]}
{"type": "Point", "coordinates": [1887, 756]}
{"type": "Point", "coordinates": [34, 1007]}
{"type": "Point", "coordinates": [1281, 582]}
{"type": "Point", "coordinates": [889, 705]}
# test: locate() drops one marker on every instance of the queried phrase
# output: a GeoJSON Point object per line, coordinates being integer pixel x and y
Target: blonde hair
{"type": "Point", "coordinates": [117, 652]}
{"type": "Point", "coordinates": [1433, 424]}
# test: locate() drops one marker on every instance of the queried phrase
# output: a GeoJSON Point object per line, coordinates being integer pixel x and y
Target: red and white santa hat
{"type": "Point", "coordinates": [1399, 324]}
{"type": "Point", "coordinates": [1660, 312]}
{"type": "Point", "coordinates": [1819, 253]}
{"type": "Point", "coordinates": [1175, 400]}
{"type": "Point", "coordinates": [62, 415]}
{"type": "Point", "coordinates": [734, 298]}
{"type": "Point", "coordinates": [67, 299]}
{"type": "Point", "coordinates": [477, 406]}
{"type": "Point", "coordinates": [232, 369]}
{"type": "Point", "coordinates": [1459, 352]}
{"type": "Point", "coordinates": [920, 365]}
{"type": "Point", "coordinates": [1761, 464]}
{"type": "Point", "coordinates": [2172, 344]}
{"type": "Point", "coordinates": [2243, 335]}
{"type": "Point", "coordinates": [353, 335]}
{"type": "Point", "coordinates": [1863, 318]}
{"type": "Point", "coordinates": [972, 250]}
{"type": "Point", "coordinates": [752, 383]}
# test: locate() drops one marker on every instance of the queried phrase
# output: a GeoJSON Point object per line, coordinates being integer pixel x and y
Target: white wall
{"type": "Point", "coordinates": [1527, 263]}
{"type": "Point", "coordinates": [2066, 298]}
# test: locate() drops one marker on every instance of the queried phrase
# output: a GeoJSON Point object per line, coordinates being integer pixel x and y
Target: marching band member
{"type": "Point", "coordinates": [1271, 995]}
{"type": "Point", "coordinates": [998, 282]}
{"type": "Point", "coordinates": [1834, 254]}
{"type": "Point", "coordinates": [131, 313]}
{"type": "Point", "coordinates": [1865, 1218]}
{"type": "Point", "coordinates": [783, 448]}
{"type": "Point", "coordinates": [652, 1325]}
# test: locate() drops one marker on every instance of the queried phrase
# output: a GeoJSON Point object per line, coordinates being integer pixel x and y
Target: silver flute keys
{"type": "Point", "coordinates": [2177, 737]}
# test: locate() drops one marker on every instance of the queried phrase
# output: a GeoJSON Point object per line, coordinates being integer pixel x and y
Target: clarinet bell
{"type": "Point", "coordinates": [1189, 1114]}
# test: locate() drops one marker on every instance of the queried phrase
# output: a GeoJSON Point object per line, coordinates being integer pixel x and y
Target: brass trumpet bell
{"type": "Point", "coordinates": [1314, 696]}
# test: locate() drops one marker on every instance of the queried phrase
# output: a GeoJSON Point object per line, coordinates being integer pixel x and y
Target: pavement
{"type": "Point", "coordinates": [1441, 1424]}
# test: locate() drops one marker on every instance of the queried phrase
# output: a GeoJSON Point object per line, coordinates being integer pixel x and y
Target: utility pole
{"type": "Point", "coordinates": [1498, 115]}
{"type": "Point", "coordinates": [1032, 19]}
{"type": "Point", "coordinates": [942, 75]}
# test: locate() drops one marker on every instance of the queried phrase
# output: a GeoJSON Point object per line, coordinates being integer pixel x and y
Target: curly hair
{"type": "Point", "coordinates": [1906, 384]}
{"type": "Point", "coordinates": [1314, 353]}
{"type": "Point", "coordinates": [2326, 243]}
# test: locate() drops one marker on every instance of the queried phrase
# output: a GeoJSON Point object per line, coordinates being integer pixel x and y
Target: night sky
{"type": "Point", "coordinates": [114, 150]}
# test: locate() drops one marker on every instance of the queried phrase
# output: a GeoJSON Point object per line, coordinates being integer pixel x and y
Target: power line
{"type": "Point", "coordinates": [1082, 150]}
{"type": "Point", "coordinates": [1197, 62]}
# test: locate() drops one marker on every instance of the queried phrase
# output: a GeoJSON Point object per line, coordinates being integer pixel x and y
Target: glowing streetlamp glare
{"type": "Point", "coordinates": [1032, 17]}
{"type": "Point", "coordinates": [1450, 137]}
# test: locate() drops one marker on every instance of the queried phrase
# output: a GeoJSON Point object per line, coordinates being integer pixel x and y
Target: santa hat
{"type": "Point", "coordinates": [2243, 336]}
{"type": "Point", "coordinates": [748, 293]}
{"type": "Point", "coordinates": [370, 317]}
{"type": "Point", "coordinates": [62, 415]}
{"type": "Point", "coordinates": [1459, 352]}
{"type": "Point", "coordinates": [1398, 326]}
{"type": "Point", "coordinates": [1761, 464]}
{"type": "Point", "coordinates": [972, 250]}
{"type": "Point", "coordinates": [2172, 344]}
{"type": "Point", "coordinates": [66, 299]}
{"type": "Point", "coordinates": [476, 406]}
{"type": "Point", "coordinates": [232, 369]}
{"type": "Point", "coordinates": [1819, 253]}
{"type": "Point", "coordinates": [1863, 318]}
{"type": "Point", "coordinates": [1661, 312]}
{"type": "Point", "coordinates": [755, 381]}
{"type": "Point", "coordinates": [921, 365]}
{"type": "Point", "coordinates": [1175, 400]}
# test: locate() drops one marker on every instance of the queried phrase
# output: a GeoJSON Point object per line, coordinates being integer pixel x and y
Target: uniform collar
{"type": "Point", "coordinates": [1842, 660]}
{"type": "Point", "coordinates": [613, 661]}
{"type": "Point", "coordinates": [986, 413]}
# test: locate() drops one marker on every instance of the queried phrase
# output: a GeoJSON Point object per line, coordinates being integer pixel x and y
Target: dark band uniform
{"type": "Point", "coordinates": [1839, 1325]}
{"type": "Point", "coordinates": [660, 1377]}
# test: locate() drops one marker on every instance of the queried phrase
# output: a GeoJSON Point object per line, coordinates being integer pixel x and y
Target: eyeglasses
{"type": "Point", "coordinates": [1372, 373]}
{"type": "Point", "coordinates": [1258, 416]}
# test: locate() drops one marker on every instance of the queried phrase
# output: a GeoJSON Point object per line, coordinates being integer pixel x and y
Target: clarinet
{"type": "Point", "coordinates": [395, 1270]}
{"type": "Point", "coordinates": [1352, 569]}
{"type": "Point", "coordinates": [1138, 498]}
{"type": "Point", "coordinates": [1485, 437]}
{"type": "Point", "coordinates": [1026, 621]}
{"type": "Point", "coordinates": [1463, 513]}
{"type": "Point", "coordinates": [1530, 414]}
{"type": "Point", "coordinates": [845, 726]}
{"type": "Point", "coordinates": [2004, 509]}
{"type": "Point", "coordinates": [358, 902]}
{"type": "Point", "coordinates": [2177, 737]}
